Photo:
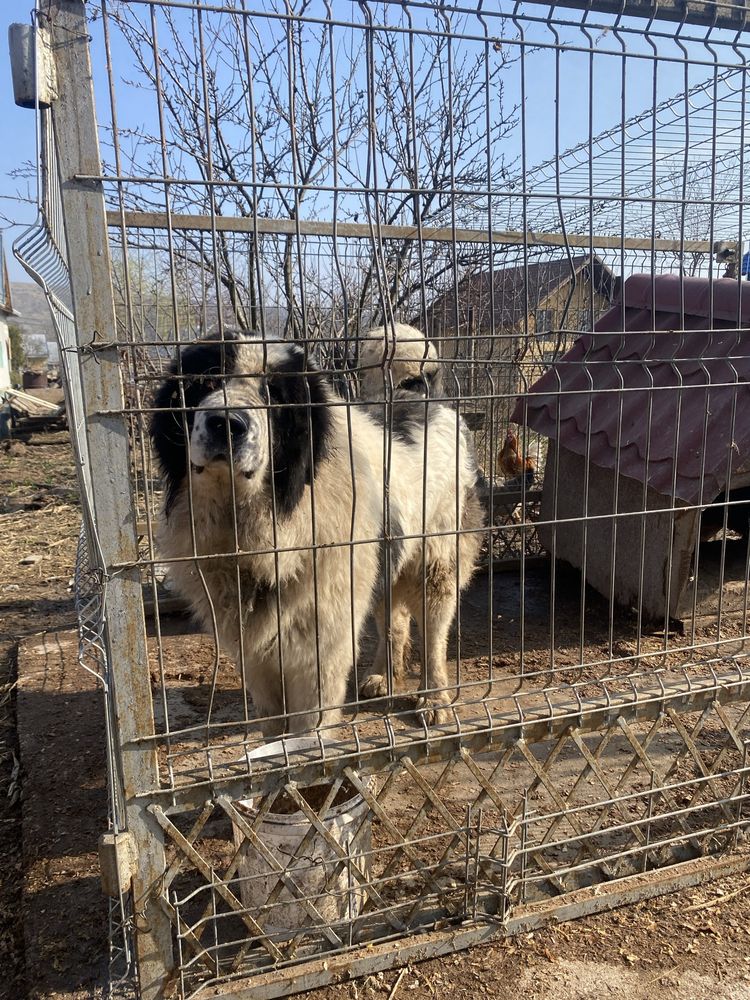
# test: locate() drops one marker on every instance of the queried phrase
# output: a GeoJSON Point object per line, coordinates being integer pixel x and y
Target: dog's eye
{"type": "Point", "coordinates": [415, 384]}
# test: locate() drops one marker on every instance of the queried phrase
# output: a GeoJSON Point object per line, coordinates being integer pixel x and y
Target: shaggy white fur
{"type": "Point", "coordinates": [274, 523]}
{"type": "Point", "coordinates": [399, 363]}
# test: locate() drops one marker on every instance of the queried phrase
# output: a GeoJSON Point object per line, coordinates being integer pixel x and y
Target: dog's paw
{"type": "Point", "coordinates": [373, 686]}
{"type": "Point", "coordinates": [434, 710]}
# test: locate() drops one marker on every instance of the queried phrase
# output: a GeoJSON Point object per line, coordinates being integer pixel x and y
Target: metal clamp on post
{"type": "Point", "coordinates": [32, 66]}
{"type": "Point", "coordinates": [117, 858]}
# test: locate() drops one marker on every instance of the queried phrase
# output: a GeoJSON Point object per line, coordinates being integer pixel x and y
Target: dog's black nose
{"type": "Point", "coordinates": [228, 423]}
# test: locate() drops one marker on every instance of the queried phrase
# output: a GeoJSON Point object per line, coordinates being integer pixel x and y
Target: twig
{"type": "Point", "coordinates": [718, 900]}
{"type": "Point", "coordinates": [661, 974]}
{"type": "Point", "coordinates": [396, 985]}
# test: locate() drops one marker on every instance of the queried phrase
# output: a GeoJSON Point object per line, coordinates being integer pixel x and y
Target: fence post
{"type": "Point", "coordinates": [76, 138]}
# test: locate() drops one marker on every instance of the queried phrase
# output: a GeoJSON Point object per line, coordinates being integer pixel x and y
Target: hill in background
{"type": "Point", "coordinates": [30, 303]}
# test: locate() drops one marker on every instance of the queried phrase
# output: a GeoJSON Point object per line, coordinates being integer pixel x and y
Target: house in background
{"type": "Point", "coordinates": [36, 319]}
{"type": "Point", "coordinates": [651, 412]}
{"type": "Point", "coordinates": [510, 304]}
{"type": "Point", "coordinates": [36, 350]}
{"type": "Point", "coordinates": [519, 320]}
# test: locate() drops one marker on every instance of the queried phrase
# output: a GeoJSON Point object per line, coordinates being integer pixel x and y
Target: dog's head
{"type": "Point", "coordinates": [399, 356]}
{"type": "Point", "coordinates": [243, 408]}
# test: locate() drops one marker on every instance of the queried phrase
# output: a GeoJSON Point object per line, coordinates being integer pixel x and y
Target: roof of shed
{"type": "Point", "coordinates": [517, 291]}
{"type": "Point", "coordinates": [666, 369]}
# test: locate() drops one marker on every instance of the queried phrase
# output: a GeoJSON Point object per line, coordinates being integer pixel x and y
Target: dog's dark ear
{"type": "Point", "coordinates": [196, 371]}
{"type": "Point", "coordinates": [299, 400]}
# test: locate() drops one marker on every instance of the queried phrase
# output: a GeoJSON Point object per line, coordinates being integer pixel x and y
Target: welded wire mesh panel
{"type": "Point", "coordinates": [92, 656]}
{"type": "Point", "coordinates": [471, 835]}
{"type": "Point", "coordinates": [417, 363]}
{"type": "Point", "coordinates": [42, 251]}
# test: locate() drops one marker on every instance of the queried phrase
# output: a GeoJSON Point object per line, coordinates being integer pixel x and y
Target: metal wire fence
{"type": "Point", "coordinates": [409, 356]}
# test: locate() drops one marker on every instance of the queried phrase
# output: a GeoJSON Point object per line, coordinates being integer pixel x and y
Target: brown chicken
{"type": "Point", "coordinates": [512, 463]}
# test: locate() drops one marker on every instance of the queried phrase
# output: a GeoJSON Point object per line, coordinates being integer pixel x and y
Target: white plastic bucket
{"type": "Point", "coordinates": [336, 901]}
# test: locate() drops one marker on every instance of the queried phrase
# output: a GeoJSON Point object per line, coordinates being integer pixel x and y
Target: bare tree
{"type": "Point", "coordinates": [286, 118]}
{"type": "Point", "coordinates": [698, 200]}
{"type": "Point", "coordinates": [709, 207]}
{"type": "Point", "coordinates": [247, 110]}
{"type": "Point", "coordinates": [436, 144]}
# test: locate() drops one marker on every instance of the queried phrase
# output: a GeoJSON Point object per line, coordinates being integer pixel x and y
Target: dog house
{"type": "Point", "coordinates": [648, 421]}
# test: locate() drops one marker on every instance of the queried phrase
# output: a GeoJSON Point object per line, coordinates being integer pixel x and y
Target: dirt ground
{"type": "Point", "coordinates": [691, 945]}
{"type": "Point", "coordinates": [39, 520]}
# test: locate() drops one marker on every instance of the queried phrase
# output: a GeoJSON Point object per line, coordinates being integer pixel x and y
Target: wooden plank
{"type": "Point", "coordinates": [76, 137]}
{"type": "Point", "coordinates": [731, 15]}
{"type": "Point", "coordinates": [354, 230]}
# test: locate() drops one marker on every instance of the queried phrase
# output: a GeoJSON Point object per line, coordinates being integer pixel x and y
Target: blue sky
{"type": "Point", "coordinates": [20, 144]}
{"type": "Point", "coordinates": [551, 124]}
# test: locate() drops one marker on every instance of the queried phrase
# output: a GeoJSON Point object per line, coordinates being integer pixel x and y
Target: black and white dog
{"type": "Point", "coordinates": [273, 519]}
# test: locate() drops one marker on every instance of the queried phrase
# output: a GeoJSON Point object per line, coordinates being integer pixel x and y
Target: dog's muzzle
{"type": "Point", "coordinates": [226, 435]}
{"type": "Point", "coordinates": [229, 426]}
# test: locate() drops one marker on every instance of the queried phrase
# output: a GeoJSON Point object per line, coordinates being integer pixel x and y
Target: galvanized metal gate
{"type": "Point", "coordinates": [600, 764]}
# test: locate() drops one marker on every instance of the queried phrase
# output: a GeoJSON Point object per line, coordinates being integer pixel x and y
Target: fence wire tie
{"type": "Point", "coordinates": [117, 570]}
{"type": "Point", "coordinates": [140, 922]}
{"type": "Point", "coordinates": [37, 15]}
{"type": "Point", "coordinates": [95, 346]}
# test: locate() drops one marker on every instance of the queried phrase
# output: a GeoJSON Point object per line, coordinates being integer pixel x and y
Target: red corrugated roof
{"type": "Point", "coordinates": [665, 370]}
